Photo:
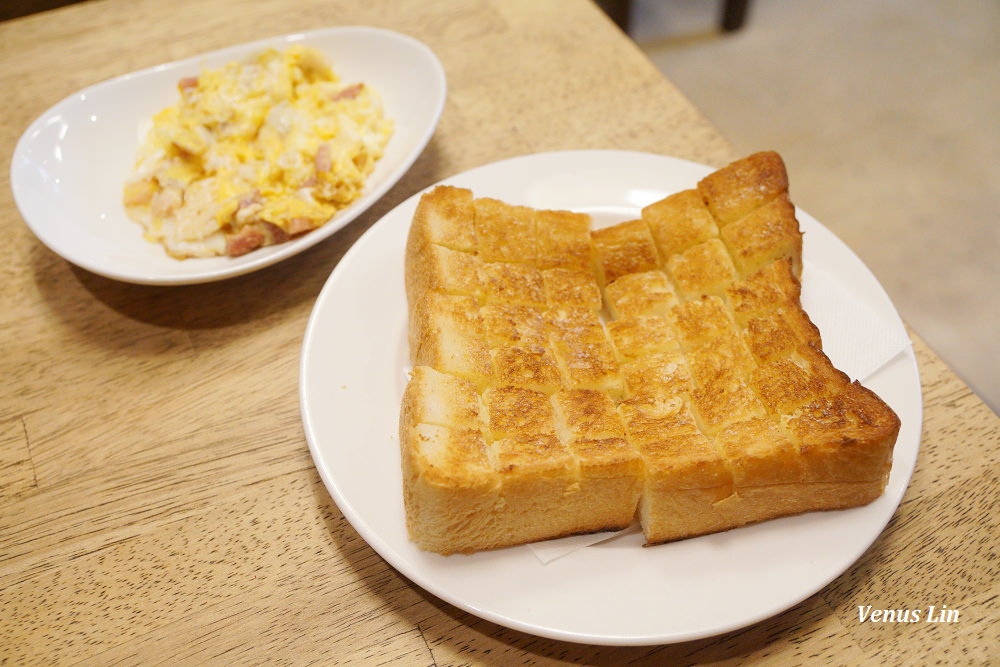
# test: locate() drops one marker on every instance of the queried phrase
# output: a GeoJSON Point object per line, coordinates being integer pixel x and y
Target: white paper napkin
{"type": "Point", "coordinates": [857, 339]}
{"type": "Point", "coordinates": [549, 550]}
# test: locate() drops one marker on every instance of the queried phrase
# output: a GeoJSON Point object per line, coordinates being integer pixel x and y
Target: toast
{"type": "Point", "coordinates": [566, 379]}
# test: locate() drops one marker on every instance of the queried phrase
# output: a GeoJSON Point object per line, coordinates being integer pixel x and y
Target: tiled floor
{"type": "Point", "coordinates": [888, 115]}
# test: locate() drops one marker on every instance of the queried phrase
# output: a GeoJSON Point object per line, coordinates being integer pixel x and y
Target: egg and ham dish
{"type": "Point", "coordinates": [254, 154]}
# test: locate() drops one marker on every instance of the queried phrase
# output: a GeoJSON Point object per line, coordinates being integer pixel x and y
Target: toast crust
{"type": "Point", "coordinates": [567, 380]}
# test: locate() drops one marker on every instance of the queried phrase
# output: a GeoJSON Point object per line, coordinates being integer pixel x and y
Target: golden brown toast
{"type": "Point", "coordinates": [567, 379]}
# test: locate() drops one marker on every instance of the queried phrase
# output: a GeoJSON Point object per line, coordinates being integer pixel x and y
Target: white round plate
{"type": "Point", "coordinates": [352, 376]}
{"type": "Point", "coordinates": [70, 165]}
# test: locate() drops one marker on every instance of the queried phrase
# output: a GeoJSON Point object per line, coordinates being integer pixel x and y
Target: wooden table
{"type": "Point", "coordinates": [157, 498]}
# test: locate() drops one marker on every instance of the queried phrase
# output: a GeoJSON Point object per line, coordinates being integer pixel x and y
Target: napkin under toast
{"type": "Point", "coordinates": [567, 378]}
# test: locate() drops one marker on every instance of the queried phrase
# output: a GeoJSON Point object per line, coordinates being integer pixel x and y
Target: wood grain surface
{"type": "Point", "coordinates": [157, 498]}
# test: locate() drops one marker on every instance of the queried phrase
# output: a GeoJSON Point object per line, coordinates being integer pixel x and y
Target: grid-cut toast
{"type": "Point", "coordinates": [566, 379]}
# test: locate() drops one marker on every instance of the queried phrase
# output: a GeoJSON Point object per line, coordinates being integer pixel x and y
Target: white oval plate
{"type": "Point", "coordinates": [352, 375]}
{"type": "Point", "coordinates": [70, 165]}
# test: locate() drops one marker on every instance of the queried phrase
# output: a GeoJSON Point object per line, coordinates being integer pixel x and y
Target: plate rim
{"type": "Point", "coordinates": [252, 261]}
{"type": "Point", "coordinates": [398, 561]}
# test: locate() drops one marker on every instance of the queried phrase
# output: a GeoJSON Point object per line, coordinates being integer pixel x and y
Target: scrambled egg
{"type": "Point", "coordinates": [254, 154]}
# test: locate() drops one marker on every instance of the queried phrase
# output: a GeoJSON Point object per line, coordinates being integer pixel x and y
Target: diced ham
{"type": "Point", "coordinates": [299, 225]}
{"type": "Point", "coordinates": [253, 236]}
{"type": "Point", "coordinates": [276, 233]}
{"type": "Point", "coordinates": [243, 241]}
{"type": "Point", "coordinates": [348, 93]}
{"type": "Point", "coordinates": [187, 83]}
{"type": "Point", "coordinates": [324, 158]}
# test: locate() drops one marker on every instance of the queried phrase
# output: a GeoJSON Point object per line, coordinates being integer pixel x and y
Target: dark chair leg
{"type": "Point", "coordinates": [617, 11]}
{"type": "Point", "coordinates": [734, 13]}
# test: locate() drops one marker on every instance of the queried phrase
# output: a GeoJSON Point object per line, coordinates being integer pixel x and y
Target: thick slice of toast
{"type": "Point", "coordinates": [568, 379]}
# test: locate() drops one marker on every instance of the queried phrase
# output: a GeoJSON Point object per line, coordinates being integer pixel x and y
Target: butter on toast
{"type": "Point", "coordinates": [567, 379]}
